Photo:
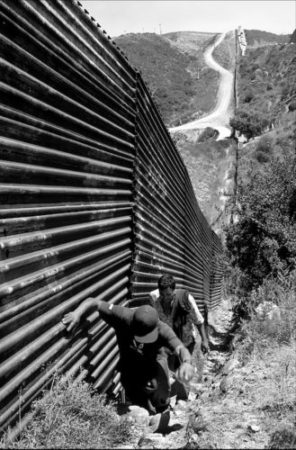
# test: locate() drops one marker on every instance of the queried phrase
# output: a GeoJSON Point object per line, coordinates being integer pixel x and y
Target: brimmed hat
{"type": "Point", "coordinates": [145, 324]}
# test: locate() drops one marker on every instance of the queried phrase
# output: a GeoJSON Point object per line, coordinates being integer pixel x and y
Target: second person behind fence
{"type": "Point", "coordinates": [177, 308]}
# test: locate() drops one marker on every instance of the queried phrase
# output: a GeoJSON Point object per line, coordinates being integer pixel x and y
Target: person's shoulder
{"type": "Point", "coordinates": [167, 335]}
{"type": "Point", "coordinates": [121, 313]}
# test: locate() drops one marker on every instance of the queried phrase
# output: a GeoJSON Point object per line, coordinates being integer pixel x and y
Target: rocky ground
{"type": "Point", "coordinates": [236, 404]}
{"type": "Point", "coordinates": [191, 421]}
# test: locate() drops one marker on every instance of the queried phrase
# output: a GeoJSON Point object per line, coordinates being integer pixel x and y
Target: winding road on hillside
{"type": "Point", "coordinates": [219, 117]}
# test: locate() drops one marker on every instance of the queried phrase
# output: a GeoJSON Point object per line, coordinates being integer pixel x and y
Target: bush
{"type": "Point", "coordinates": [283, 438]}
{"type": "Point", "coordinates": [265, 144]}
{"type": "Point", "coordinates": [250, 124]}
{"type": "Point", "coordinates": [248, 97]}
{"type": "Point", "coordinates": [207, 134]}
{"type": "Point", "coordinates": [70, 415]}
{"type": "Point", "coordinates": [292, 105]}
{"type": "Point", "coordinates": [261, 157]}
{"type": "Point", "coordinates": [259, 331]}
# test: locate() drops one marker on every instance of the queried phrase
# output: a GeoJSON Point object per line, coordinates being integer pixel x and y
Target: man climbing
{"type": "Point", "coordinates": [178, 309]}
{"type": "Point", "coordinates": [142, 340]}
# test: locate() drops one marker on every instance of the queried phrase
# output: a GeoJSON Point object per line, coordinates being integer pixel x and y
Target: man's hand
{"type": "Point", "coordinates": [71, 320]}
{"type": "Point", "coordinates": [185, 372]}
{"type": "Point", "coordinates": [205, 346]}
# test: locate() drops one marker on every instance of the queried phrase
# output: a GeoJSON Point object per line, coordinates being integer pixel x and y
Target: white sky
{"type": "Point", "coordinates": [216, 16]}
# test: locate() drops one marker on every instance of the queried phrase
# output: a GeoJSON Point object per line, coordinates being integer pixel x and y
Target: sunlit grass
{"type": "Point", "coordinates": [70, 415]}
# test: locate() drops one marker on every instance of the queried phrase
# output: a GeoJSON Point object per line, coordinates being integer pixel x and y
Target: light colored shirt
{"type": "Point", "coordinates": [194, 313]}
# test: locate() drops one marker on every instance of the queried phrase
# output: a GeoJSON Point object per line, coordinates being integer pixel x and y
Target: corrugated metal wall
{"type": "Point", "coordinates": [95, 199]}
{"type": "Point", "coordinates": [172, 234]}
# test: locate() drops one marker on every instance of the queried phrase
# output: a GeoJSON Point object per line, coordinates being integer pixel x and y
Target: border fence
{"type": "Point", "coordinates": [95, 200]}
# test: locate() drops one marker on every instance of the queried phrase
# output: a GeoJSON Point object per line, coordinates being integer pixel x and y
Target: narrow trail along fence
{"type": "Point", "coordinates": [95, 200]}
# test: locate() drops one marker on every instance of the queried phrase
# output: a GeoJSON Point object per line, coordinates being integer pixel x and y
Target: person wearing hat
{"type": "Point", "coordinates": [144, 342]}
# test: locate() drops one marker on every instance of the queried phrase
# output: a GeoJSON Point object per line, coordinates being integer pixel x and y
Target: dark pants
{"type": "Point", "coordinates": [152, 393]}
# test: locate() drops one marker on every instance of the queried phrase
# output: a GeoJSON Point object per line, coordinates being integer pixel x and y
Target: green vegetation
{"type": "Point", "coordinates": [261, 243]}
{"type": "Point", "coordinates": [267, 89]}
{"type": "Point", "coordinates": [224, 54]}
{"type": "Point", "coordinates": [293, 37]}
{"type": "Point", "coordinates": [268, 347]}
{"type": "Point", "coordinates": [173, 68]}
{"type": "Point", "coordinates": [249, 124]}
{"type": "Point", "coordinates": [257, 38]}
{"type": "Point", "coordinates": [70, 415]}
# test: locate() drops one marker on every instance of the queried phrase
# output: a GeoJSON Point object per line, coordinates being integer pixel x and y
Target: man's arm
{"type": "Point", "coordinates": [199, 322]}
{"type": "Point", "coordinates": [204, 339]}
{"type": "Point", "coordinates": [185, 371]}
{"type": "Point", "coordinates": [72, 319]}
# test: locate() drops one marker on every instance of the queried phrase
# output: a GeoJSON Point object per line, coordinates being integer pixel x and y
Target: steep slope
{"type": "Point", "coordinates": [258, 38]}
{"type": "Point", "coordinates": [267, 81]}
{"type": "Point", "coordinates": [209, 162]}
{"type": "Point", "coordinates": [173, 68]}
{"type": "Point", "coordinates": [262, 240]}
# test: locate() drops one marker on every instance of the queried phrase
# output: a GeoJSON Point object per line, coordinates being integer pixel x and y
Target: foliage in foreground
{"type": "Point", "coordinates": [261, 243]}
{"type": "Point", "coordinates": [266, 349]}
{"type": "Point", "coordinates": [70, 415]}
{"type": "Point", "coordinates": [263, 331]}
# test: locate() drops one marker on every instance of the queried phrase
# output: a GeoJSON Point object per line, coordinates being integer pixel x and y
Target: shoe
{"type": "Point", "coordinates": [159, 422]}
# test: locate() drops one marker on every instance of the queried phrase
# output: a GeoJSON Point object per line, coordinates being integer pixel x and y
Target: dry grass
{"type": "Point", "coordinates": [70, 415]}
{"type": "Point", "coordinates": [268, 355]}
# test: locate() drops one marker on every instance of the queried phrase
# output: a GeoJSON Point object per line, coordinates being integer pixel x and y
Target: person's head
{"type": "Point", "coordinates": [166, 286]}
{"type": "Point", "coordinates": [145, 324]}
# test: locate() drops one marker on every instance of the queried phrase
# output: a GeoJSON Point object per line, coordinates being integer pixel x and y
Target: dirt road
{"type": "Point", "coordinates": [219, 117]}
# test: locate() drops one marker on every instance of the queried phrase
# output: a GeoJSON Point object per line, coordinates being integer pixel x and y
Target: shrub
{"type": "Point", "coordinates": [292, 105]}
{"type": "Point", "coordinates": [261, 157]}
{"type": "Point", "coordinates": [70, 415]}
{"type": "Point", "coordinates": [258, 333]}
{"type": "Point", "coordinates": [265, 144]}
{"type": "Point", "coordinates": [207, 134]}
{"type": "Point", "coordinates": [250, 124]}
{"type": "Point", "coordinates": [248, 97]}
{"type": "Point", "coordinates": [262, 241]}
{"type": "Point", "coordinates": [283, 438]}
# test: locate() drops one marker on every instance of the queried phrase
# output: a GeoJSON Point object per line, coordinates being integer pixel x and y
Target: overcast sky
{"type": "Point", "coordinates": [216, 16]}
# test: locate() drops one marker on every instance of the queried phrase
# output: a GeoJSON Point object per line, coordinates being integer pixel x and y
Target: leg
{"type": "Point", "coordinates": [152, 392]}
{"type": "Point", "coordinates": [160, 398]}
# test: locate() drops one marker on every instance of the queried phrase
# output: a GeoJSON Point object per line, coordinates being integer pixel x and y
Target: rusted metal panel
{"type": "Point", "coordinates": [67, 118]}
{"type": "Point", "coordinates": [95, 200]}
{"type": "Point", "coordinates": [172, 235]}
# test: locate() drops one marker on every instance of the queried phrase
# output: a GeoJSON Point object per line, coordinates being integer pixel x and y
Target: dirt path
{"type": "Point", "coordinates": [219, 117]}
{"type": "Point", "coordinates": [220, 413]}
{"type": "Point", "coordinates": [187, 418]}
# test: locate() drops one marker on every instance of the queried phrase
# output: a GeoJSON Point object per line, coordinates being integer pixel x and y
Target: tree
{"type": "Point", "coordinates": [262, 241]}
{"type": "Point", "coordinates": [250, 124]}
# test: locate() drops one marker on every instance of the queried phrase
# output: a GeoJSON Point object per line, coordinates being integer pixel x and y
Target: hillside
{"type": "Point", "coordinates": [257, 38]}
{"type": "Point", "coordinates": [266, 168]}
{"type": "Point", "coordinates": [173, 68]}
{"type": "Point", "coordinates": [267, 81]}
